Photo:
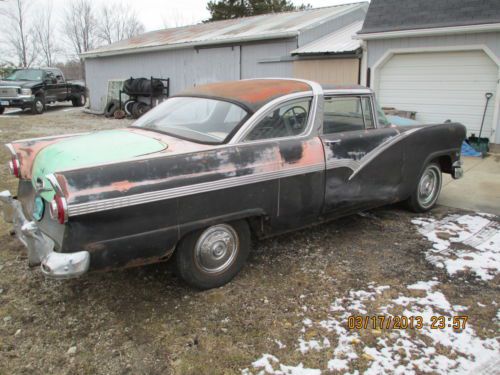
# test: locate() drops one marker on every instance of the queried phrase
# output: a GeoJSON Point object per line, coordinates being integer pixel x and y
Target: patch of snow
{"type": "Point", "coordinates": [267, 363]}
{"type": "Point", "coordinates": [463, 243]}
{"type": "Point", "coordinates": [305, 346]}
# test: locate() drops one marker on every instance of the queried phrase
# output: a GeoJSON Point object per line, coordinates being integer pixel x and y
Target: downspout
{"type": "Point", "coordinates": [364, 64]}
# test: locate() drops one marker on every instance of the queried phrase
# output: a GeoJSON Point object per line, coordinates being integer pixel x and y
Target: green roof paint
{"type": "Point", "coordinates": [95, 148]}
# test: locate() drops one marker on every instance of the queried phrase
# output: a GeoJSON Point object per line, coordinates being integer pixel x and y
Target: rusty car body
{"type": "Point", "coordinates": [208, 168]}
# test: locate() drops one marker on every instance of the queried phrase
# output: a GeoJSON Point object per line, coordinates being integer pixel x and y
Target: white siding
{"type": "Point", "coordinates": [377, 49]}
{"type": "Point", "coordinates": [184, 67]}
{"type": "Point", "coordinates": [441, 86]}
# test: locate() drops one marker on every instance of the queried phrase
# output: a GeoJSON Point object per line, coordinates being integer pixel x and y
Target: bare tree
{"type": "Point", "coordinates": [20, 35]}
{"type": "Point", "coordinates": [80, 25]}
{"type": "Point", "coordinates": [44, 35]}
{"type": "Point", "coordinates": [118, 22]}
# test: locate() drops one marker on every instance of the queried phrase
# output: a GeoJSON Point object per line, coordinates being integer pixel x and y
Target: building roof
{"type": "Point", "coordinates": [251, 93]}
{"type": "Point", "coordinates": [340, 41]}
{"type": "Point", "coordinates": [267, 26]}
{"type": "Point", "coordinates": [399, 15]}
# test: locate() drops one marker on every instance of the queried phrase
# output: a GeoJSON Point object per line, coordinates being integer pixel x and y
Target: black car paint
{"type": "Point", "coordinates": [50, 91]}
{"type": "Point", "coordinates": [148, 232]}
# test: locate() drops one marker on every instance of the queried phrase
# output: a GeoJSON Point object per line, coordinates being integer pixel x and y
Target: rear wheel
{"type": "Point", "coordinates": [38, 106]}
{"type": "Point", "coordinates": [79, 101]}
{"type": "Point", "coordinates": [211, 257]}
{"type": "Point", "coordinates": [427, 190]}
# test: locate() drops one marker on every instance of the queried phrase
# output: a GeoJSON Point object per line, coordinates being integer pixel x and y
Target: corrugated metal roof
{"type": "Point", "coordinates": [267, 26]}
{"type": "Point", "coordinates": [340, 41]}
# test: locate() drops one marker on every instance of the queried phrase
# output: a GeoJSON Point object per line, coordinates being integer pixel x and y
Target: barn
{"type": "Point", "coordinates": [311, 44]}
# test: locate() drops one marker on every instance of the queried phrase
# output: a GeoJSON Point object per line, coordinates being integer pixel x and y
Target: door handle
{"type": "Point", "coordinates": [332, 141]}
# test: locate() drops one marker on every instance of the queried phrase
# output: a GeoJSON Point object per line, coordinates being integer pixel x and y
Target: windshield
{"type": "Point", "coordinates": [26, 75]}
{"type": "Point", "coordinates": [197, 119]}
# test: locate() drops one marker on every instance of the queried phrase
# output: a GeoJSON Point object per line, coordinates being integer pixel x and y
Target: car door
{"type": "Point", "coordinates": [51, 87]}
{"type": "Point", "coordinates": [61, 86]}
{"type": "Point", "coordinates": [363, 160]}
{"type": "Point", "coordinates": [297, 160]}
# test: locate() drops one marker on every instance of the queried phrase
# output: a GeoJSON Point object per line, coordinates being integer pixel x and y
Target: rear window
{"type": "Point", "coordinates": [197, 119]}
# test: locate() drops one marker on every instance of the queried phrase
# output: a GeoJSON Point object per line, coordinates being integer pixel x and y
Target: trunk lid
{"type": "Point", "coordinates": [94, 148]}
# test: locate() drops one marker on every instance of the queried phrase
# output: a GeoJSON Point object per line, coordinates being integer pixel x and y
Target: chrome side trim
{"type": "Point", "coordinates": [346, 163]}
{"type": "Point", "coordinates": [358, 91]}
{"type": "Point", "coordinates": [11, 149]}
{"type": "Point", "coordinates": [153, 196]}
{"type": "Point", "coordinates": [357, 165]}
{"type": "Point", "coordinates": [55, 184]}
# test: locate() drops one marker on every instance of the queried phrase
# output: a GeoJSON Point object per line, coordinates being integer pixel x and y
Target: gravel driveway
{"type": "Point", "coordinates": [286, 313]}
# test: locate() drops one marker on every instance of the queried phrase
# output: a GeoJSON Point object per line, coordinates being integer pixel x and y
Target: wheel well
{"type": "Point", "coordinates": [444, 162]}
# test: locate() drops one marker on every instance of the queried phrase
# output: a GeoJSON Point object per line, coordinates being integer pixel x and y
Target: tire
{"type": "Point", "coordinates": [79, 101]}
{"type": "Point", "coordinates": [228, 247]}
{"type": "Point", "coordinates": [128, 106]}
{"type": "Point", "coordinates": [138, 109]}
{"type": "Point", "coordinates": [427, 190]}
{"type": "Point", "coordinates": [111, 107]}
{"type": "Point", "coordinates": [38, 105]}
{"type": "Point", "coordinates": [2, 110]}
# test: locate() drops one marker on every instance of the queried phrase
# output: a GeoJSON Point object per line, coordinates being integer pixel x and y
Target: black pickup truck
{"type": "Point", "coordinates": [34, 88]}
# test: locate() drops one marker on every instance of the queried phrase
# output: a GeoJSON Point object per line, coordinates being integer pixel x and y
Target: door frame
{"type": "Point", "coordinates": [375, 71]}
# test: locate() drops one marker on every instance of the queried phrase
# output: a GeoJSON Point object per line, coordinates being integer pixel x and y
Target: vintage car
{"type": "Point", "coordinates": [202, 173]}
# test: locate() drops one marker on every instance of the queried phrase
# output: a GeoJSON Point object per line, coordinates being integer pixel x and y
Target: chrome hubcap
{"type": "Point", "coordinates": [82, 99]}
{"type": "Point", "coordinates": [39, 106]}
{"type": "Point", "coordinates": [428, 187]}
{"type": "Point", "coordinates": [216, 249]}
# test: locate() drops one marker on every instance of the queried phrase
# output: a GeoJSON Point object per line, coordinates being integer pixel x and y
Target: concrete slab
{"type": "Point", "coordinates": [478, 190]}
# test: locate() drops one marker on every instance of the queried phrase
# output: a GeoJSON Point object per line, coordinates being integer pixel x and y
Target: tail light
{"type": "Point", "coordinates": [59, 209]}
{"type": "Point", "coordinates": [15, 166]}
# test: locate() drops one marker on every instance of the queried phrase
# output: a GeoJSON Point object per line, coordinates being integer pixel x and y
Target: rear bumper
{"type": "Point", "coordinates": [40, 247]}
{"type": "Point", "coordinates": [458, 171]}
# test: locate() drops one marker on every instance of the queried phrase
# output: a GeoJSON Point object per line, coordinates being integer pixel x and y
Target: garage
{"type": "Point", "coordinates": [438, 61]}
{"type": "Point", "coordinates": [441, 86]}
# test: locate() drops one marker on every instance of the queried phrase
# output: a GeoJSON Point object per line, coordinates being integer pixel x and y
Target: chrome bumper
{"type": "Point", "coordinates": [40, 247]}
{"type": "Point", "coordinates": [458, 171]}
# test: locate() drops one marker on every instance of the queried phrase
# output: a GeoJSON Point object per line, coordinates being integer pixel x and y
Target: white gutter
{"type": "Point", "coordinates": [166, 47]}
{"type": "Point", "coordinates": [431, 31]}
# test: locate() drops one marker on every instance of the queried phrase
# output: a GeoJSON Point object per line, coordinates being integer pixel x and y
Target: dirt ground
{"type": "Point", "coordinates": [285, 313]}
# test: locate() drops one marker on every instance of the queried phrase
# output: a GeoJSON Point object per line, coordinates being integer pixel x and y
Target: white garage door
{"type": "Point", "coordinates": [441, 86]}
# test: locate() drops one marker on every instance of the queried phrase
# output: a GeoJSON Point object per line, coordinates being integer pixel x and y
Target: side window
{"type": "Point", "coordinates": [59, 76]}
{"type": "Point", "coordinates": [348, 113]}
{"type": "Point", "coordinates": [342, 114]}
{"type": "Point", "coordinates": [49, 75]}
{"type": "Point", "coordinates": [287, 120]}
{"type": "Point", "coordinates": [367, 112]}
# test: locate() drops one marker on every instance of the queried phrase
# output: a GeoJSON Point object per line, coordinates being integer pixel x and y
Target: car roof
{"type": "Point", "coordinates": [251, 93]}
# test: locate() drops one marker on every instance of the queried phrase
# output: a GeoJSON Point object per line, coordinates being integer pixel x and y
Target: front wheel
{"type": "Point", "coordinates": [2, 110]}
{"type": "Point", "coordinates": [211, 257]}
{"type": "Point", "coordinates": [38, 106]}
{"type": "Point", "coordinates": [427, 190]}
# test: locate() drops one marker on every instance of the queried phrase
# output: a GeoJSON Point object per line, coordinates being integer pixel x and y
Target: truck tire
{"type": "Point", "coordinates": [139, 108]}
{"type": "Point", "coordinates": [79, 101]}
{"type": "Point", "coordinates": [427, 190]}
{"type": "Point", "coordinates": [211, 257]}
{"type": "Point", "coordinates": [2, 110]}
{"type": "Point", "coordinates": [38, 105]}
{"type": "Point", "coordinates": [128, 106]}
